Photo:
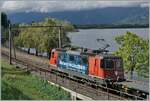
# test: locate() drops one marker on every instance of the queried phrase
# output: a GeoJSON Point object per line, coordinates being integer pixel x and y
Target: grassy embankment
{"type": "Point", "coordinates": [18, 84]}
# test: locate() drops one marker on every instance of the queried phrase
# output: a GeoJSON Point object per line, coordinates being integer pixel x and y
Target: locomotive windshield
{"type": "Point", "coordinates": [111, 63]}
{"type": "Point", "coordinates": [107, 63]}
{"type": "Point", "coordinates": [118, 63]}
{"type": "Point", "coordinates": [71, 58]}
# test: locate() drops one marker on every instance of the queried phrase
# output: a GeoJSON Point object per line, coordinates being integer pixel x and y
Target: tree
{"type": "Point", "coordinates": [42, 39]}
{"type": "Point", "coordinates": [135, 53]}
{"type": "Point", "coordinates": [4, 28]}
{"type": "Point", "coordinates": [4, 20]}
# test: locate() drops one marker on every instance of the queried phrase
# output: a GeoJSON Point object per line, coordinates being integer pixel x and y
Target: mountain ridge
{"type": "Point", "coordinates": [110, 15]}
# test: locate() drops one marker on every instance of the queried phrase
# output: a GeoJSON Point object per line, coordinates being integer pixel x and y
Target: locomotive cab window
{"type": "Point", "coordinates": [107, 63]}
{"type": "Point", "coordinates": [84, 59]}
{"type": "Point", "coordinates": [52, 54]}
{"type": "Point", "coordinates": [102, 64]}
{"type": "Point", "coordinates": [118, 63]}
{"type": "Point", "coordinates": [79, 60]}
{"type": "Point", "coordinates": [62, 56]}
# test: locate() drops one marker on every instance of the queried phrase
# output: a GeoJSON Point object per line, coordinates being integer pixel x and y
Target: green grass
{"type": "Point", "coordinates": [17, 84]}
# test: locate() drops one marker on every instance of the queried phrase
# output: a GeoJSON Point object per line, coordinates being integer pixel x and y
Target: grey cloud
{"type": "Point", "coordinates": [53, 6]}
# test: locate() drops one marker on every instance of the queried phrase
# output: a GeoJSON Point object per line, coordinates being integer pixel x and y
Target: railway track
{"type": "Point", "coordinates": [86, 87]}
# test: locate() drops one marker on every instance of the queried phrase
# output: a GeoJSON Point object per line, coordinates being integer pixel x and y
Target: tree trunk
{"type": "Point", "coordinates": [28, 50]}
{"type": "Point", "coordinates": [49, 53]}
{"type": "Point", "coordinates": [36, 52]}
{"type": "Point", "coordinates": [131, 73]}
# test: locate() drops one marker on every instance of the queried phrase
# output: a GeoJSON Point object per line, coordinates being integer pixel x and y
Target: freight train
{"type": "Point", "coordinates": [99, 64]}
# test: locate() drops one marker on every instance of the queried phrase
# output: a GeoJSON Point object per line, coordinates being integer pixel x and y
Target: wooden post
{"type": "Point", "coordinates": [10, 44]}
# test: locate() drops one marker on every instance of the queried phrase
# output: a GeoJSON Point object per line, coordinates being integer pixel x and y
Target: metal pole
{"type": "Point", "coordinates": [60, 37]}
{"type": "Point", "coordinates": [14, 50]}
{"type": "Point", "coordinates": [10, 44]}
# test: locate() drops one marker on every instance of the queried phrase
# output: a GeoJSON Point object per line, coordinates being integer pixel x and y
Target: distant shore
{"type": "Point", "coordinates": [104, 26]}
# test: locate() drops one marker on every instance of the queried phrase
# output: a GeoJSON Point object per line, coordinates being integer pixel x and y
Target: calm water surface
{"type": "Point", "coordinates": [88, 37]}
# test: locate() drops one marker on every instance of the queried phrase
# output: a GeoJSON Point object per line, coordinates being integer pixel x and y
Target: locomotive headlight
{"type": "Point", "coordinates": [116, 73]}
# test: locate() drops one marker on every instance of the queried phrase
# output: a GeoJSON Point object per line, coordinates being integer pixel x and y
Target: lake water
{"type": "Point", "coordinates": [88, 37]}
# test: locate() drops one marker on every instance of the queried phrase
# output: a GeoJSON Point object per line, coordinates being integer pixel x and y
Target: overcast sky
{"type": "Point", "coordinates": [62, 5]}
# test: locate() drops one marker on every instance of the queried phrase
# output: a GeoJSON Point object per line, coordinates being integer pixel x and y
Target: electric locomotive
{"type": "Point", "coordinates": [97, 66]}
{"type": "Point", "coordinates": [100, 65]}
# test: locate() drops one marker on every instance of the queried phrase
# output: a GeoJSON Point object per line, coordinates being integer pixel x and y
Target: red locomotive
{"type": "Point", "coordinates": [99, 65]}
{"type": "Point", "coordinates": [106, 67]}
